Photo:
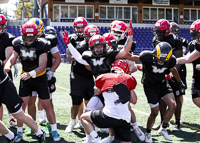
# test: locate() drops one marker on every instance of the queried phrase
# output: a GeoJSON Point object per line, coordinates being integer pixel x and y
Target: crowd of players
{"type": "Point", "coordinates": [105, 64]}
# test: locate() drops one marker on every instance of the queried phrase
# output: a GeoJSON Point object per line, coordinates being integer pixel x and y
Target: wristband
{"type": "Point", "coordinates": [33, 73]}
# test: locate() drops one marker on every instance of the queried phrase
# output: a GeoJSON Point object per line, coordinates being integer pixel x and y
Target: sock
{"type": "Point", "coordinates": [96, 129]}
{"type": "Point", "coordinates": [162, 117]}
{"type": "Point", "coordinates": [20, 129]}
{"type": "Point", "coordinates": [148, 130]}
{"type": "Point", "coordinates": [40, 114]}
{"type": "Point", "coordinates": [88, 138]}
{"type": "Point", "coordinates": [39, 132]}
{"type": "Point", "coordinates": [94, 135]}
{"type": "Point", "coordinates": [79, 122]}
{"type": "Point", "coordinates": [73, 121]}
{"type": "Point", "coordinates": [53, 127]}
{"type": "Point", "coordinates": [164, 125]}
{"type": "Point", "coordinates": [10, 135]}
{"type": "Point", "coordinates": [178, 122]}
{"type": "Point", "coordinates": [45, 115]}
{"type": "Point", "coordinates": [10, 116]}
{"type": "Point", "coordinates": [111, 137]}
{"type": "Point", "coordinates": [135, 125]}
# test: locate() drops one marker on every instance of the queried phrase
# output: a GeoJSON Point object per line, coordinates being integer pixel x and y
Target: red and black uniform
{"type": "Point", "coordinates": [121, 43]}
{"type": "Point", "coordinates": [8, 92]}
{"type": "Point", "coordinates": [5, 41]}
{"type": "Point", "coordinates": [29, 58]}
{"type": "Point", "coordinates": [195, 88]}
{"type": "Point", "coordinates": [79, 73]}
{"type": "Point", "coordinates": [153, 77]}
{"type": "Point", "coordinates": [116, 116]}
{"type": "Point", "coordinates": [176, 44]}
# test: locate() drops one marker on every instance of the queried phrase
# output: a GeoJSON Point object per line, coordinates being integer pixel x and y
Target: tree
{"type": "Point", "coordinates": [28, 6]}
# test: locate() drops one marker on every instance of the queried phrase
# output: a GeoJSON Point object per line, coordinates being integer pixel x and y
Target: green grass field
{"type": "Point", "coordinates": [190, 129]}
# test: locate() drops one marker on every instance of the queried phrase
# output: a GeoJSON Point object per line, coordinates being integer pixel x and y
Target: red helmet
{"type": "Point", "coordinates": [112, 24]}
{"type": "Point", "coordinates": [119, 29]}
{"type": "Point", "coordinates": [120, 66]}
{"type": "Point", "coordinates": [195, 30]}
{"type": "Point", "coordinates": [89, 31]}
{"type": "Point", "coordinates": [79, 22]}
{"type": "Point", "coordinates": [109, 37]}
{"type": "Point", "coordinates": [95, 41]}
{"type": "Point", "coordinates": [162, 28]}
{"type": "Point", "coordinates": [29, 32]}
{"type": "Point", "coordinates": [3, 23]}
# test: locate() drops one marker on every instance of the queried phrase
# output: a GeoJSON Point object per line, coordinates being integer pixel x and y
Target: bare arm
{"type": "Point", "coordinates": [175, 74]}
{"type": "Point", "coordinates": [8, 53]}
{"type": "Point", "coordinates": [189, 57]}
{"type": "Point", "coordinates": [56, 62]}
{"type": "Point", "coordinates": [133, 98]}
{"type": "Point", "coordinates": [97, 91]}
{"type": "Point", "coordinates": [124, 51]}
{"type": "Point", "coordinates": [131, 57]}
{"type": "Point", "coordinates": [42, 63]}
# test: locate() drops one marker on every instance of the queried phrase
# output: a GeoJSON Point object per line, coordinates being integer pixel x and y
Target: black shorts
{"type": "Point", "coordinates": [154, 93]}
{"type": "Point", "coordinates": [195, 88]}
{"type": "Point", "coordinates": [121, 127]}
{"type": "Point", "coordinates": [183, 73]}
{"type": "Point", "coordinates": [81, 86]}
{"type": "Point", "coordinates": [9, 96]}
{"type": "Point", "coordinates": [175, 87]}
{"type": "Point", "coordinates": [52, 84]}
{"type": "Point", "coordinates": [38, 84]}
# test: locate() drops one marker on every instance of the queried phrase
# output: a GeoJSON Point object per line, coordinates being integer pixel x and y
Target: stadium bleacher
{"type": "Point", "coordinates": [142, 35]}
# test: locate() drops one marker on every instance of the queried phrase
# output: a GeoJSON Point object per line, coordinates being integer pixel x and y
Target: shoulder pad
{"type": "Point", "coordinates": [87, 54]}
{"type": "Point", "coordinates": [52, 38]}
{"type": "Point", "coordinates": [73, 36]}
{"type": "Point", "coordinates": [17, 41]}
{"type": "Point", "coordinates": [11, 36]}
{"type": "Point", "coordinates": [145, 56]}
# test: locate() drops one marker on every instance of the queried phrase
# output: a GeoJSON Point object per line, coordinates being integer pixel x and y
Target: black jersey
{"type": "Point", "coordinates": [172, 39]}
{"type": "Point", "coordinates": [5, 41]}
{"type": "Point", "coordinates": [122, 42]}
{"type": "Point", "coordinates": [100, 64]}
{"type": "Point", "coordinates": [54, 41]}
{"type": "Point", "coordinates": [154, 74]}
{"type": "Point", "coordinates": [78, 68]}
{"type": "Point", "coordinates": [2, 72]}
{"type": "Point", "coordinates": [29, 55]}
{"type": "Point", "coordinates": [184, 42]}
{"type": "Point", "coordinates": [75, 40]}
{"type": "Point", "coordinates": [192, 46]}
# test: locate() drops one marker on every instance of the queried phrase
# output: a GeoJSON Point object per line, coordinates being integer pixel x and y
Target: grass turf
{"type": "Point", "coordinates": [190, 129]}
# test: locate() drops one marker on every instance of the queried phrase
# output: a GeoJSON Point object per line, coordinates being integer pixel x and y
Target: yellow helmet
{"type": "Point", "coordinates": [40, 25]}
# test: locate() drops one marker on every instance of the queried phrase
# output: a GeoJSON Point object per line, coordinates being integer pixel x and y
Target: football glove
{"type": "Point", "coordinates": [130, 29]}
{"type": "Point", "coordinates": [49, 75]}
{"type": "Point", "coordinates": [182, 87]}
{"type": "Point", "coordinates": [65, 37]}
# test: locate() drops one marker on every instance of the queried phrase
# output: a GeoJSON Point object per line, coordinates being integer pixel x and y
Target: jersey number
{"type": "Point", "coordinates": [157, 70]}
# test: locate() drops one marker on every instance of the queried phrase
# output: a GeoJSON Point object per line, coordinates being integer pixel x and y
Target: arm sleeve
{"type": "Point", "coordinates": [76, 54]}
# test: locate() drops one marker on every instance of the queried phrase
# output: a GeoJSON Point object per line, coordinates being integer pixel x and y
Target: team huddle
{"type": "Point", "coordinates": [106, 64]}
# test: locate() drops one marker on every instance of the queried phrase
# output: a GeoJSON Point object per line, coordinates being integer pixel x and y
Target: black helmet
{"type": "Point", "coordinates": [175, 27]}
{"type": "Point", "coordinates": [163, 52]}
{"type": "Point", "coordinates": [50, 30]}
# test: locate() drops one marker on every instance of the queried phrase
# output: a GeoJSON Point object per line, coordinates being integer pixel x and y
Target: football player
{"type": "Point", "coordinates": [132, 68]}
{"type": "Point", "coordinates": [6, 51]}
{"type": "Point", "coordinates": [53, 61]}
{"type": "Point", "coordinates": [156, 64]}
{"type": "Point", "coordinates": [78, 89]}
{"type": "Point", "coordinates": [115, 114]}
{"type": "Point", "coordinates": [13, 102]}
{"type": "Point", "coordinates": [194, 57]}
{"type": "Point", "coordinates": [162, 30]}
{"type": "Point", "coordinates": [32, 52]}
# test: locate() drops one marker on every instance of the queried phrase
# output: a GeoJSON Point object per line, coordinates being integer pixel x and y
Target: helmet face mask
{"type": "Point", "coordinates": [160, 34]}
{"type": "Point", "coordinates": [28, 40]}
{"type": "Point", "coordinates": [162, 28]}
{"type": "Point", "coordinates": [118, 29]}
{"type": "Point", "coordinates": [79, 25]}
{"type": "Point", "coordinates": [174, 28]}
{"type": "Point", "coordinates": [97, 45]}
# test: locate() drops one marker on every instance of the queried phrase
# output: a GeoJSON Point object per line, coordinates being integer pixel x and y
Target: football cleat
{"type": "Point", "coordinates": [56, 136]}
{"type": "Point", "coordinates": [42, 121]}
{"type": "Point", "coordinates": [148, 138]}
{"type": "Point", "coordinates": [176, 128]}
{"type": "Point", "coordinates": [163, 131]}
{"type": "Point", "coordinates": [78, 125]}
{"type": "Point", "coordinates": [19, 137]}
{"type": "Point", "coordinates": [30, 132]}
{"type": "Point", "coordinates": [139, 134]}
{"type": "Point", "coordinates": [69, 128]}
{"type": "Point", "coordinates": [12, 123]}
{"type": "Point", "coordinates": [42, 137]}
{"type": "Point", "coordinates": [48, 128]}
{"type": "Point", "coordinates": [108, 139]}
